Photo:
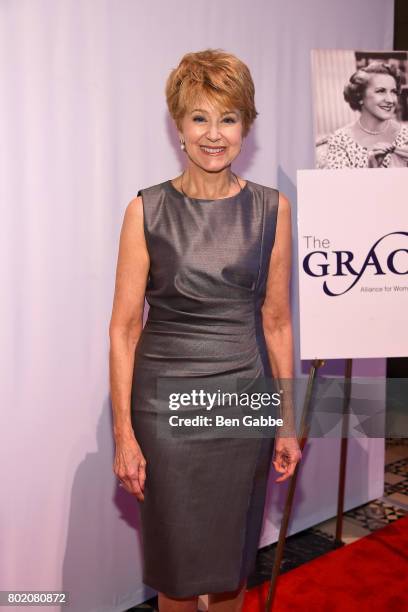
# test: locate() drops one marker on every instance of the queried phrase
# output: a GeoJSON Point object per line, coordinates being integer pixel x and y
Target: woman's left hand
{"type": "Point", "coordinates": [286, 455]}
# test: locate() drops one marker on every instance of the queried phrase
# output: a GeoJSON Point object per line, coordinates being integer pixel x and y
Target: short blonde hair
{"type": "Point", "coordinates": [220, 77]}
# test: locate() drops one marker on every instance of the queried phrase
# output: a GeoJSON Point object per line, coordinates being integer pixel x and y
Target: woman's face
{"type": "Point", "coordinates": [380, 97]}
{"type": "Point", "coordinates": [213, 138]}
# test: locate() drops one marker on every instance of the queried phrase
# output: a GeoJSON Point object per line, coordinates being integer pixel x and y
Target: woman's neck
{"type": "Point", "coordinates": [209, 185]}
{"type": "Point", "coordinates": [373, 124]}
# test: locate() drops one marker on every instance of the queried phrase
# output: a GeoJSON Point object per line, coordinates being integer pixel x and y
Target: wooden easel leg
{"type": "Point", "coordinates": [343, 451]}
{"type": "Point", "coordinates": [304, 431]}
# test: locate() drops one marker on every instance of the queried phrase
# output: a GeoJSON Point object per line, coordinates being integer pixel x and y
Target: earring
{"type": "Point", "coordinates": [182, 145]}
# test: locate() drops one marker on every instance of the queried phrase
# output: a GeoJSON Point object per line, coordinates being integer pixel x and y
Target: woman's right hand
{"type": "Point", "coordinates": [130, 467]}
{"type": "Point", "coordinates": [378, 152]}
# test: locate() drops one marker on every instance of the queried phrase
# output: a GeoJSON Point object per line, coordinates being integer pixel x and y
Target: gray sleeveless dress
{"type": "Point", "coordinates": [204, 498]}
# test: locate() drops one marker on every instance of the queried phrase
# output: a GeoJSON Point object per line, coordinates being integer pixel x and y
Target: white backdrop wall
{"type": "Point", "coordinates": [83, 126]}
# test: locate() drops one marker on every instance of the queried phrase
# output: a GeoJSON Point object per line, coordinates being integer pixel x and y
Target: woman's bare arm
{"type": "Point", "coordinates": [124, 332]}
{"type": "Point", "coordinates": [277, 326]}
{"type": "Point", "coordinates": [276, 315]}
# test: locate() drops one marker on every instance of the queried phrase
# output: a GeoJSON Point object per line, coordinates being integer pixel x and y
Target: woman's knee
{"type": "Point", "coordinates": [177, 604]}
{"type": "Point", "coordinates": [228, 595]}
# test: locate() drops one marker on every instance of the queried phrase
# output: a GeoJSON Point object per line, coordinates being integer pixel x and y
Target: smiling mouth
{"type": "Point", "coordinates": [387, 108]}
{"type": "Point", "coordinates": [212, 150]}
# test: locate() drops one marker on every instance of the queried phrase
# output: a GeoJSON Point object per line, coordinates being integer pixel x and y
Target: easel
{"type": "Point", "coordinates": [303, 436]}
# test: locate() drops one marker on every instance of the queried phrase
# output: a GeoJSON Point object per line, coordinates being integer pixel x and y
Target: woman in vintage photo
{"type": "Point", "coordinates": [211, 252]}
{"type": "Point", "coordinates": [376, 139]}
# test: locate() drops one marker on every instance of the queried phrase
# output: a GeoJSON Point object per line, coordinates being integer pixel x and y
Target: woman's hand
{"type": "Point", "coordinates": [287, 454]}
{"type": "Point", "coordinates": [130, 467]}
{"type": "Point", "coordinates": [378, 152]}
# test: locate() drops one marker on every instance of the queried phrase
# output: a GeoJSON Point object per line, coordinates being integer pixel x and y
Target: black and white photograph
{"type": "Point", "coordinates": [360, 105]}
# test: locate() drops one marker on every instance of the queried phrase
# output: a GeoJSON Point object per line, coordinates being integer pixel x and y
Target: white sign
{"type": "Point", "coordinates": [353, 263]}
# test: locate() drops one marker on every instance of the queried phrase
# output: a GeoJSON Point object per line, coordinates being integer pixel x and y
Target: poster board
{"type": "Point", "coordinates": [353, 263]}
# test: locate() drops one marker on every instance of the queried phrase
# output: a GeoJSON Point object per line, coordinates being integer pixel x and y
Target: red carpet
{"type": "Point", "coordinates": [369, 575]}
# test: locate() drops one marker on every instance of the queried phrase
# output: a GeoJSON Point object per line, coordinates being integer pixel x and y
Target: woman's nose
{"type": "Point", "coordinates": [213, 132]}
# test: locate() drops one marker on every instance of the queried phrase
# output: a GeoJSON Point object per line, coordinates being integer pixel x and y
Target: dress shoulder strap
{"type": "Point", "coordinates": [153, 199]}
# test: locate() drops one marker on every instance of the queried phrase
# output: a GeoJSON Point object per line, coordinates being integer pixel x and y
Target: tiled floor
{"type": "Point", "coordinates": [313, 542]}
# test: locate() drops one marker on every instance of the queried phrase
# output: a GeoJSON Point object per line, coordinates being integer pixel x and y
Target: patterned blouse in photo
{"type": "Point", "coordinates": [344, 152]}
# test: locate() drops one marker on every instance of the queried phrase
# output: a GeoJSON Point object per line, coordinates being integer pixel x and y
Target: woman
{"type": "Point", "coordinates": [212, 254]}
{"type": "Point", "coordinates": [376, 139]}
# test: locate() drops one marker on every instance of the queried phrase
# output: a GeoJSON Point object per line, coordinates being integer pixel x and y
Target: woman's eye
{"type": "Point", "coordinates": [200, 119]}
